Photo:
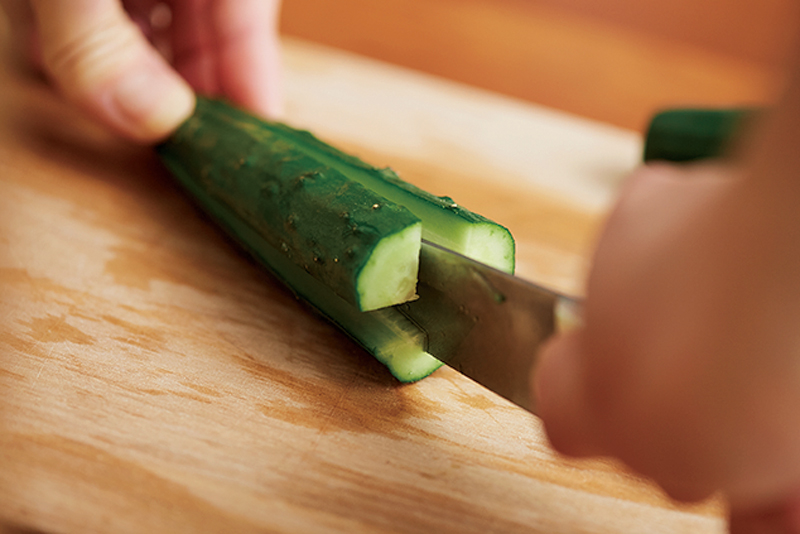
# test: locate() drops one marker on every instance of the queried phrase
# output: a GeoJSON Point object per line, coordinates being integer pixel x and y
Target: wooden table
{"type": "Point", "coordinates": [154, 379]}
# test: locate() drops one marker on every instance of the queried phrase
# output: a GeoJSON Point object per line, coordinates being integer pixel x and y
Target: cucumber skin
{"type": "Point", "coordinates": [386, 333]}
{"type": "Point", "coordinates": [321, 220]}
{"type": "Point", "coordinates": [444, 221]}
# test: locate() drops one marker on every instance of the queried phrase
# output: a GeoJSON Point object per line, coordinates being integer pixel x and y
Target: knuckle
{"type": "Point", "coordinates": [92, 56]}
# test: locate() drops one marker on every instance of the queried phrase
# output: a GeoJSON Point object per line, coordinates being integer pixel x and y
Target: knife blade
{"type": "Point", "coordinates": [484, 323]}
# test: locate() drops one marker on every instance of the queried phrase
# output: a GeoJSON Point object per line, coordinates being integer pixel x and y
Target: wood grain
{"type": "Point", "coordinates": [153, 379]}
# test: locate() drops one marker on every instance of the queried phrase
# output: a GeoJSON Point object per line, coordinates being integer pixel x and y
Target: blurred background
{"type": "Point", "coordinates": [612, 60]}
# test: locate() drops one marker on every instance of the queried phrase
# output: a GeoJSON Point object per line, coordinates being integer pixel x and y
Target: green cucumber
{"type": "Point", "coordinates": [386, 333]}
{"type": "Point", "coordinates": [343, 235]}
{"type": "Point", "coordinates": [444, 221]}
{"type": "Point", "coordinates": [323, 221]}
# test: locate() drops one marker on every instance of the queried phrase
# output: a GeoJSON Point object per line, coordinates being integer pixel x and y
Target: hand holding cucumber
{"type": "Point", "coordinates": [106, 59]}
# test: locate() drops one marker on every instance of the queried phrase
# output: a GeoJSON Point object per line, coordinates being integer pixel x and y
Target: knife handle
{"type": "Point", "coordinates": [682, 135]}
{"type": "Point", "coordinates": [677, 135]}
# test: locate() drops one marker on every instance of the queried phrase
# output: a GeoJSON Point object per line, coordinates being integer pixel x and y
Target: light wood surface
{"type": "Point", "coordinates": [153, 379]}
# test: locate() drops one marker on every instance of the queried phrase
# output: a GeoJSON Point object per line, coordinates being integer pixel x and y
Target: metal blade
{"type": "Point", "coordinates": [484, 323]}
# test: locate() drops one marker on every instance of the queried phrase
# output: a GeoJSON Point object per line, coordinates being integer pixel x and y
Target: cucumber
{"type": "Point", "coordinates": [343, 235]}
{"type": "Point", "coordinates": [323, 221]}
{"type": "Point", "coordinates": [444, 221]}
{"type": "Point", "coordinates": [386, 333]}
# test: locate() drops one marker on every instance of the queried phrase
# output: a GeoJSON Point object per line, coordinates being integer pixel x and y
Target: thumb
{"type": "Point", "coordinates": [100, 60]}
{"type": "Point", "coordinates": [558, 383]}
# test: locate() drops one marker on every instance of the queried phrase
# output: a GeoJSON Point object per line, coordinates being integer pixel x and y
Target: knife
{"type": "Point", "coordinates": [485, 323]}
{"type": "Point", "coordinates": [489, 325]}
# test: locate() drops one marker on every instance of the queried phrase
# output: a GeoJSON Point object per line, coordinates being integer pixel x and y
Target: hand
{"type": "Point", "coordinates": [688, 367]}
{"type": "Point", "coordinates": [103, 56]}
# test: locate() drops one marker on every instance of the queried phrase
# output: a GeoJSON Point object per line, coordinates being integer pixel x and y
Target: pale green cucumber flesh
{"type": "Point", "coordinates": [444, 221]}
{"type": "Point", "coordinates": [323, 221]}
{"type": "Point", "coordinates": [388, 275]}
{"type": "Point", "coordinates": [386, 333]}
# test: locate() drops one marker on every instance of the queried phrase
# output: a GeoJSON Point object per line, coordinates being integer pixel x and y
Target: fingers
{"type": "Point", "coordinates": [140, 12]}
{"type": "Point", "coordinates": [193, 45]}
{"type": "Point", "coordinates": [99, 59]}
{"type": "Point", "coordinates": [24, 42]}
{"type": "Point", "coordinates": [249, 67]}
{"type": "Point", "coordinates": [230, 48]}
{"type": "Point", "coordinates": [630, 383]}
{"type": "Point", "coordinates": [559, 387]}
{"type": "Point", "coordinates": [783, 518]}
{"type": "Point", "coordinates": [683, 368]}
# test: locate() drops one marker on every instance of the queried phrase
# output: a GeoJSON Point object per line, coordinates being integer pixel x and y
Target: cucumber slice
{"type": "Point", "coordinates": [346, 236]}
{"type": "Point", "coordinates": [343, 235]}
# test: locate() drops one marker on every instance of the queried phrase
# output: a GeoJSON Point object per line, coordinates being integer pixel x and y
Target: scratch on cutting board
{"type": "Point", "coordinates": [15, 264]}
{"type": "Point", "coordinates": [49, 352]}
{"type": "Point", "coordinates": [46, 359]}
{"type": "Point", "coordinates": [54, 330]}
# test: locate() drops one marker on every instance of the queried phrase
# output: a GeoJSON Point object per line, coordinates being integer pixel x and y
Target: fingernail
{"type": "Point", "coordinates": [152, 102]}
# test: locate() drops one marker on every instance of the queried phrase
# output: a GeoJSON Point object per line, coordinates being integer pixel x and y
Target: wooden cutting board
{"type": "Point", "coordinates": [154, 379]}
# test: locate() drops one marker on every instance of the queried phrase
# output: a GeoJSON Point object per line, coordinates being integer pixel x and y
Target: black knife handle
{"type": "Point", "coordinates": [683, 135]}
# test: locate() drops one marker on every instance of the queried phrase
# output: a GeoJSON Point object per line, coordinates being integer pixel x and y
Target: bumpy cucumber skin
{"type": "Point", "coordinates": [318, 218]}
{"type": "Point", "coordinates": [444, 221]}
{"type": "Point", "coordinates": [386, 333]}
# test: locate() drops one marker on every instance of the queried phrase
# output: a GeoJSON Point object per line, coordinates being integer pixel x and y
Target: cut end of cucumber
{"type": "Point", "coordinates": [491, 244]}
{"type": "Point", "coordinates": [413, 368]}
{"type": "Point", "coordinates": [408, 365]}
{"type": "Point", "coordinates": [397, 343]}
{"type": "Point", "coordinates": [389, 277]}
